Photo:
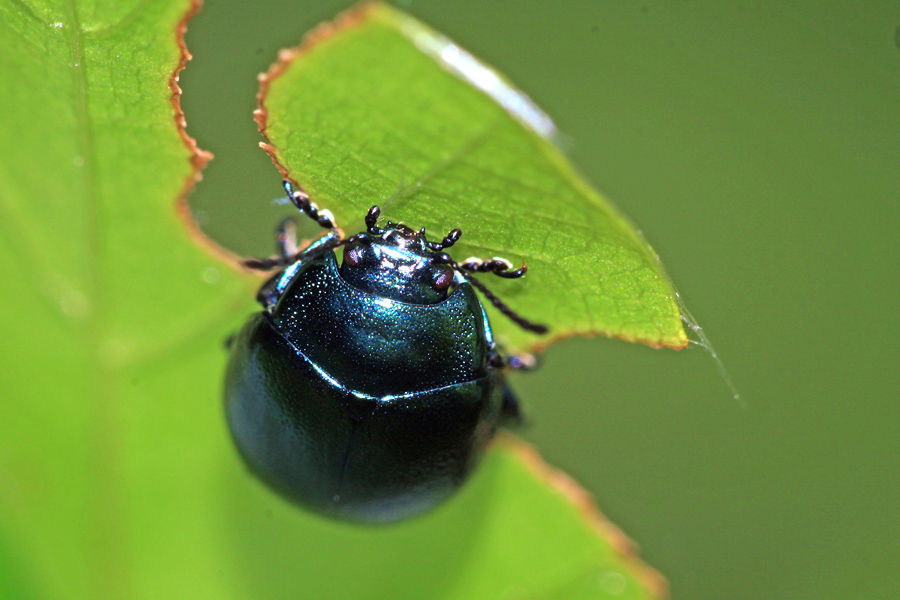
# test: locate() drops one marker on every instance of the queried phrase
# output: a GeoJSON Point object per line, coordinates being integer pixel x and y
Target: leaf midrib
{"type": "Point", "coordinates": [109, 547]}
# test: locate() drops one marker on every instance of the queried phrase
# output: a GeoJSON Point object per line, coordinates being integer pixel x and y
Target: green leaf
{"type": "Point", "coordinates": [111, 439]}
{"type": "Point", "coordinates": [117, 475]}
{"type": "Point", "coordinates": [379, 109]}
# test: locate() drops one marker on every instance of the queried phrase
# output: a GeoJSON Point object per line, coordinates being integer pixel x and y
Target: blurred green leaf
{"type": "Point", "coordinates": [117, 476]}
{"type": "Point", "coordinates": [379, 109]}
{"type": "Point", "coordinates": [111, 439]}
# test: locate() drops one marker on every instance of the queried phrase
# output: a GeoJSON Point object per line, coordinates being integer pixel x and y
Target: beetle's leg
{"type": "Point", "coordinates": [287, 249]}
{"type": "Point", "coordinates": [287, 238]}
{"type": "Point", "coordinates": [300, 199]}
{"type": "Point", "coordinates": [519, 362]}
{"type": "Point", "coordinates": [510, 409]}
{"type": "Point", "coordinates": [269, 293]}
{"type": "Point", "coordinates": [522, 362]}
{"type": "Point", "coordinates": [267, 264]}
{"type": "Point", "coordinates": [498, 266]}
{"type": "Point", "coordinates": [287, 232]}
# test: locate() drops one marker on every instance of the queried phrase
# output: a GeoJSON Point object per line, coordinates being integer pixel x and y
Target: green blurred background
{"type": "Point", "coordinates": [757, 145]}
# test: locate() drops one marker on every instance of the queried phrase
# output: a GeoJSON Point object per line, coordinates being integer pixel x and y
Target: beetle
{"type": "Point", "coordinates": [367, 390]}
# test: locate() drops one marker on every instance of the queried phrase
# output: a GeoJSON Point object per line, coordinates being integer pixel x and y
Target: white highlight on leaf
{"type": "Point", "coordinates": [467, 67]}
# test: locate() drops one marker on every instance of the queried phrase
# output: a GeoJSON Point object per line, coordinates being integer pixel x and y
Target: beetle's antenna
{"type": "Point", "coordinates": [450, 239]}
{"type": "Point", "coordinates": [443, 257]}
{"type": "Point", "coordinates": [287, 236]}
{"type": "Point", "coordinates": [499, 304]}
{"type": "Point", "coordinates": [372, 221]}
{"type": "Point", "coordinates": [300, 199]}
{"type": "Point", "coordinates": [498, 266]}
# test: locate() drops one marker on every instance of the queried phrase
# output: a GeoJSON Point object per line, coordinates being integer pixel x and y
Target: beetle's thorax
{"type": "Point", "coordinates": [396, 265]}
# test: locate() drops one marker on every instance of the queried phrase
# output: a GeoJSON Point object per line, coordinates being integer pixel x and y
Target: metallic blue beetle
{"type": "Point", "coordinates": [368, 391]}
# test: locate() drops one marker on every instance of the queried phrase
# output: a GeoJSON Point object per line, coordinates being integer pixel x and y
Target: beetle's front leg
{"type": "Point", "coordinates": [287, 248]}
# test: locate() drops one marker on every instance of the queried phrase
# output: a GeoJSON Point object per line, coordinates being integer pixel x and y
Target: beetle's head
{"type": "Point", "coordinates": [396, 262]}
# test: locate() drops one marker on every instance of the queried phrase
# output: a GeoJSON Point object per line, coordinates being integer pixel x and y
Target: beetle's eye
{"type": "Point", "coordinates": [351, 255]}
{"type": "Point", "coordinates": [444, 279]}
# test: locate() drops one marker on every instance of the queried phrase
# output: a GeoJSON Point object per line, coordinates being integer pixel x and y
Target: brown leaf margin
{"type": "Point", "coordinates": [584, 502]}
{"type": "Point", "coordinates": [345, 20]}
{"type": "Point", "coordinates": [197, 156]}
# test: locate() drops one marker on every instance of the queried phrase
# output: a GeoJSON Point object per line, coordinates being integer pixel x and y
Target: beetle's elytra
{"type": "Point", "coordinates": [368, 390]}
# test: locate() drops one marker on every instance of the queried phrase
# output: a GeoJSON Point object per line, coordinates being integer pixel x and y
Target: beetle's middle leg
{"type": "Point", "coordinates": [287, 238]}
{"type": "Point", "coordinates": [286, 242]}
